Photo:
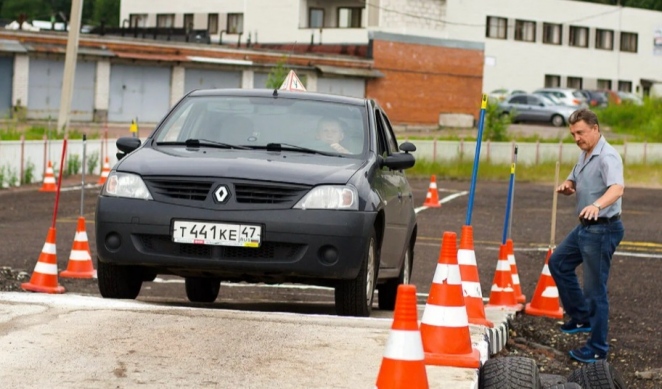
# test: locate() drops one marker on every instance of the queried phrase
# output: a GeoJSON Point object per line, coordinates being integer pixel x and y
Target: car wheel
{"type": "Point", "coordinates": [509, 373]}
{"type": "Point", "coordinates": [388, 290]}
{"type": "Point", "coordinates": [118, 282]}
{"type": "Point", "coordinates": [202, 290]}
{"type": "Point", "coordinates": [597, 375]}
{"type": "Point", "coordinates": [354, 297]}
{"type": "Point", "coordinates": [557, 121]}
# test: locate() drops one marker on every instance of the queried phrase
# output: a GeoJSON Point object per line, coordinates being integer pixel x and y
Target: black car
{"type": "Point", "coordinates": [241, 185]}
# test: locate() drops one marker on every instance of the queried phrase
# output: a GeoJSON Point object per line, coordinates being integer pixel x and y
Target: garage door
{"type": "Point", "coordinates": [138, 92]}
{"type": "Point", "coordinates": [210, 79]}
{"type": "Point", "coordinates": [45, 89]}
{"type": "Point", "coordinates": [260, 80]}
{"type": "Point", "coordinates": [353, 87]}
{"type": "Point", "coordinates": [7, 71]}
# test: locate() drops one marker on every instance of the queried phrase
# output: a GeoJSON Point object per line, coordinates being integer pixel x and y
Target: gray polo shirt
{"type": "Point", "coordinates": [593, 175]}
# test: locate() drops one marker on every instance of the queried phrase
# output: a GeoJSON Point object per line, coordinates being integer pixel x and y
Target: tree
{"type": "Point", "coordinates": [32, 9]}
{"type": "Point", "coordinates": [107, 12]}
{"type": "Point", "coordinates": [277, 75]}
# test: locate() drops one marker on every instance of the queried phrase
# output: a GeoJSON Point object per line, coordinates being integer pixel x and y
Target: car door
{"type": "Point", "coordinates": [538, 110]}
{"type": "Point", "coordinates": [395, 189]}
{"type": "Point", "coordinates": [518, 105]}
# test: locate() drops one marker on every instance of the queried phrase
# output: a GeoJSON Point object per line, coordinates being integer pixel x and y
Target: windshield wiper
{"type": "Point", "coordinates": [291, 147]}
{"type": "Point", "coordinates": [205, 143]}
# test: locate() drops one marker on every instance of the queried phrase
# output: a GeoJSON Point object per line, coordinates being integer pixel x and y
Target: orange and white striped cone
{"type": "Point", "coordinates": [432, 198]}
{"type": "Point", "coordinates": [502, 294]}
{"type": "Point", "coordinates": [545, 301]}
{"type": "Point", "coordinates": [80, 261]}
{"type": "Point", "coordinates": [104, 172]}
{"type": "Point", "coordinates": [473, 295]}
{"type": "Point", "coordinates": [519, 296]}
{"type": "Point", "coordinates": [445, 325]}
{"type": "Point", "coordinates": [49, 180]}
{"type": "Point", "coordinates": [44, 276]}
{"type": "Point", "coordinates": [403, 363]}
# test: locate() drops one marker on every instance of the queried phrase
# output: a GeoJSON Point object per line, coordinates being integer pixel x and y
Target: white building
{"type": "Point", "coordinates": [528, 44]}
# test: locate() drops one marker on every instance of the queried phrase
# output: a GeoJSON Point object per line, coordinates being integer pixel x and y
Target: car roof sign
{"type": "Point", "coordinates": [292, 83]}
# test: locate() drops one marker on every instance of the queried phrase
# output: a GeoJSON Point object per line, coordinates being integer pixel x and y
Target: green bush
{"type": "Point", "coordinates": [73, 165]}
{"type": "Point", "coordinates": [92, 162]}
{"type": "Point", "coordinates": [496, 124]}
{"type": "Point", "coordinates": [641, 122]}
{"type": "Point", "coordinates": [28, 173]}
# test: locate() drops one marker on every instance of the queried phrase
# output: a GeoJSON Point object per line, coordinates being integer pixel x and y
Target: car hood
{"type": "Point", "coordinates": [283, 166]}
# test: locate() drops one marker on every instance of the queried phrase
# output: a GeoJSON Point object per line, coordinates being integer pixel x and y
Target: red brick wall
{"type": "Point", "coordinates": [422, 81]}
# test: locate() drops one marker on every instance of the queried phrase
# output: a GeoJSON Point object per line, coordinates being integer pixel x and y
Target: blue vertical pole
{"type": "Point", "coordinates": [509, 202]}
{"type": "Point", "coordinates": [474, 173]}
{"type": "Point", "coordinates": [512, 198]}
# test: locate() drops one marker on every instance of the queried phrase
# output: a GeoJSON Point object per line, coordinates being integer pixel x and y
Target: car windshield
{"type": "Point", "coordinates": [549, 100]}
{"type": "Point", "coordinates": [255, 122]}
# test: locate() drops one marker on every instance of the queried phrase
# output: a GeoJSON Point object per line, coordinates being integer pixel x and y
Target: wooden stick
{"type": "Point", "coordinates": [556, 196]}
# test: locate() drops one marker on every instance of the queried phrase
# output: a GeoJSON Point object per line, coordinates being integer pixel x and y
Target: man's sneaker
{"type": "Point", "coordinates": [586, 355]}
{"type": "Point", "coordinates": [573, 327]}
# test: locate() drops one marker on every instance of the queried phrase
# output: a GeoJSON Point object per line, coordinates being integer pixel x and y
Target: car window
{"type": "Point", "coordinates": [257, 121]}
{"type": "Point", "coordinates": [578, 94]}
{"type": "Point", "coordinates": [518, 99]}
{"type": "Point", "coordinates": [381, 138]}
{"type": "Point", "coordinates": [391, 142]}
{"type": "Point", "coordinates": [533, 100]}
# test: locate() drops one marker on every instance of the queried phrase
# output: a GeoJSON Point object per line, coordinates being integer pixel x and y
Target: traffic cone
{"type": "Point", "coordinates": [104, 172]}
{"type": "Point", "coordinates": [445, 325]}
{"type": "Point", "coordinates": [473, 295]}
{"type": "Point", "coordinates": [403, 363]}
{"type": "Point", "coordinates": [545, 301]}
{"type": "Point", "coordinates": [44, 276]}
{"type": "Point", "coordinates": [80, 261]}
{"type": "Point", "coordinates": [432, 198]}
{"type": "Point", "coordinates": [49, 180]}
{"type": "Point", "coordinates": [519, 296]}
{"type": "Point", "coordinates": [502, 293]}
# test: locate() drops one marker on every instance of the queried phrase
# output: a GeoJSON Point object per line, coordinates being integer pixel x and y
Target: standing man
{"type": "Point", "coordinates": [597, 180]}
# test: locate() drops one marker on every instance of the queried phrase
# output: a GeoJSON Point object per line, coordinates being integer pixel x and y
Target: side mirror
{"type": "Point", "coordinates": [399, 161]}
{"type": "Point", "coordinates": [126, 145]}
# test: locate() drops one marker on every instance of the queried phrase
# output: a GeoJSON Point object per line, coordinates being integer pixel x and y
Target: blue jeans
{"type": "Point", "coordinates": [593, 246]}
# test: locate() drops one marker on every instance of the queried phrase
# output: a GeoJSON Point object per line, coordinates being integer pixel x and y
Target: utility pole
{"type": "Point", "coordinates": [70, 66]}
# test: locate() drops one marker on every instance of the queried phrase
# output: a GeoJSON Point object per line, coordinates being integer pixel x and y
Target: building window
{"type": "Point", "coordinates": [188, 21]}
{"type": "Point", "coordinates": [235, 23]}
{"type": "Point", "coordinates": [629, 42]}
{"type": "Point", "coordinates": [575, 82]}
{"type": "Point", "coordinates": [625, 86]}
{"type": "Point", "coordinates": [604, 84]}
{"type": "Point", "coordinates": [316, 18]}
{"type": "Point", "coordinates": [578, 36]}
{"type": "Point", "coordinates": [604, 39]}
{"type": "Point", "coordinates": [212, 23]}
{"type": "Point", "coordinates": [525, 31]}
{"type": "Point", "coordinates": [165, 20]}
{"type": "Point", "coordinates": [497, 27]}
{"type": "Point", "coordinates": [552, 33]}
{"type": "Point", "coordinates": [137, 20]}
{"type": "Point", "coordinates": [552, 81]}
{"type": "Point", "coordinates": [349, 17]}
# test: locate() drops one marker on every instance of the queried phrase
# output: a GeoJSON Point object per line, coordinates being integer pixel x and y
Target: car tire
{"type": "Point", "coordinates": [202, 289]}
{"type": "Point", "coordinates": [558, 121]}
{"type": "Point", "coordinates": [597, 375]}
{"type": "Point", "coordinates": [118, 282]}
{"type": "Point", "coordinates": [389, 290]}
{"type": "Point", "coordinates": [355, 297]}
{"type": "Point", "coordinates": [509, 373]}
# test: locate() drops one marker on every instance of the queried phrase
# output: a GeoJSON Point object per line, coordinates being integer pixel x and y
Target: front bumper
{"type": "Point", "coordinates": [297, 245]}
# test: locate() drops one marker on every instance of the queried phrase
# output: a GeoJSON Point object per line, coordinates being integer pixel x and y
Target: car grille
{"type": "Point", "coordinates": [267, 194]}
{"type": "Point", "coordinates": [159, 244]}
{"type": "Point", "coordinates": [186, 190]}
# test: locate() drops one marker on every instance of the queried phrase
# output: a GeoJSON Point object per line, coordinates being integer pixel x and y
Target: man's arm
{"type": "Point", "coordinates": [567, 188]}
{"type": "Point", "coordinates": [612, 194]}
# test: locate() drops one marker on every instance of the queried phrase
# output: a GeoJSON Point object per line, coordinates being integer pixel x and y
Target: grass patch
{"type": "Point", "coordinates": [639, 122]}
{"type": "Point", "coordinates": [38, 133]}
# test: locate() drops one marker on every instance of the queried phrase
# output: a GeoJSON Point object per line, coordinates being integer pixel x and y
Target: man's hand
{"type": "Point", "coordinates": [567, 188]}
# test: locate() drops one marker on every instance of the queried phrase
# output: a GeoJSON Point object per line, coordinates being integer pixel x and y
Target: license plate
{"type": "Point", "coordinates": [217, 234]}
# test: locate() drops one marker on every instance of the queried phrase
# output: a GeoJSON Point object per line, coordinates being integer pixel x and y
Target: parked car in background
{"type": "Point", "coordinates": [612, 96]}
{"type": "Point", "coordinates": [567, 96]}
{"type": "Point", "coordinates": [630, 98]}
{"type": "Point", "coordinates": [595, 98]}
{"type": "Point", "coordinates": [503, 93]}
{"type": "Point", "coordinates": [536, 108]}
{"type": "Point", "coordinates": [249, 186]}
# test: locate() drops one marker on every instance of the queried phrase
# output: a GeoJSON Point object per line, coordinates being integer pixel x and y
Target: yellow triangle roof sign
{"type": "Point", "coordinates": [292, 82]}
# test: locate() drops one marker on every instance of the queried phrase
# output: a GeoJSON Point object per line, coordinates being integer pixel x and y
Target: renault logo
{"type": "Point", "coordinates": [222, 194]}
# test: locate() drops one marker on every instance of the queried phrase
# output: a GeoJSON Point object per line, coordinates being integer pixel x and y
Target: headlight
{"type": "Point", "coordinates": [126, 185]}
{"type": "Point", "coordinates": [330, 197]}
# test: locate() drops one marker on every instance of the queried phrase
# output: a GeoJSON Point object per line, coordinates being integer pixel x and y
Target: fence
{"type": "Point", "coordinates": [15, 156]}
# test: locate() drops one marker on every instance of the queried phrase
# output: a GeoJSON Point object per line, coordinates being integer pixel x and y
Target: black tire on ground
{"type": "Point", "coordinates": [202, 290]}
{"type": "Point", "coordinates": [598, 375]}
{"type": "Point", "coordinates": [354, 297]}
{"type": "Point", "coordinates": [567, 385]}
{"type": "Point", "coordinates": [558, 121]}
{"type": "Point", "coordinates": [509, 373]}
{"type": "Point", "coordinates": [118, 282]}
{"type": "Point", "coordinates": [389, 289]}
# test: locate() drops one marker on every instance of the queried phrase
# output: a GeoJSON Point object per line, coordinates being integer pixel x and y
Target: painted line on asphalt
{"type": "Point", "coordinates": [444, 200]}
